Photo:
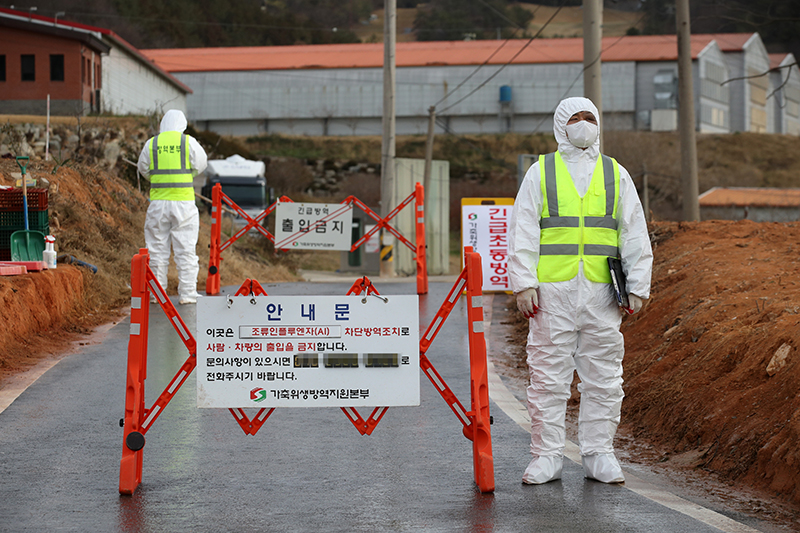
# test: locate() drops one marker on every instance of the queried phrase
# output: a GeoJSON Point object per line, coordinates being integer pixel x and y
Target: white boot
{"type": "Point", "coordinates": [603, 467]}
{"type": "Point", "coordinates": [543, 469]}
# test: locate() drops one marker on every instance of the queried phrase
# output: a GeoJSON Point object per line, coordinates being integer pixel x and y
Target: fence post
{"type": "Point", "coordinates": [422, 248]}
{"type": "Point", "coordinates": [214, 259]}
{"type": "Point", "coordinates": [130, 468]}
{"type": "Point", "coordinates": [483, 460]}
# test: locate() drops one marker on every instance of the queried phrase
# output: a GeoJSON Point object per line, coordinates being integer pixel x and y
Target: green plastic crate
{"type": "Point", "coordinates": [16, 219]}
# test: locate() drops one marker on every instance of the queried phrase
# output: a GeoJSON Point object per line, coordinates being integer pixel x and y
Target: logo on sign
{"type": "Point", "coordinates": [258, 394]}
{"type": "Point", "coordinates": [472, 216]}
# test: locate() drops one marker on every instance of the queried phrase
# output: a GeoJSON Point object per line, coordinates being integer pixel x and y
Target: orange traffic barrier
{"type": "Point", "coordinates": [216, 246]}
{"type": "Point", "coordinates": [139, 419]}
{"type": "Point", "coordinates": [476, 422]}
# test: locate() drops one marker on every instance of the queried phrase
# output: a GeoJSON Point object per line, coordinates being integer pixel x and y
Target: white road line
{"type": "Point", "coordinates": [518, 412]}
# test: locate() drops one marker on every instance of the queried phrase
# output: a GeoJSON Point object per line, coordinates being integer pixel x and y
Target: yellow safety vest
{"type": "Point", "coordinates": [170, 170]}
{"type": "Point", "coordinates": [575, 228]}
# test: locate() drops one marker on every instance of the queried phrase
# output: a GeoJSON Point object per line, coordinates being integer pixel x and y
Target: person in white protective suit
{"type": "Point", "coordinates": [575, 208]}
{"type": "Point", "coordinates": [170, 160]}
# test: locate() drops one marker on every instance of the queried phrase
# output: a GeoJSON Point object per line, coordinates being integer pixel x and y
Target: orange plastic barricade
{"type": "Point", "coordinates": [139, 419]}
{"type": "Point", "coordinates": [216, 246]}
{"type": "Point", "coordinates": [476, 421]}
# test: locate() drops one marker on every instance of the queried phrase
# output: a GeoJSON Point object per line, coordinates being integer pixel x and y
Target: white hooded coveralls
{"type": "Point", "coordinates": [174, 223]}
{"type": "Point", "coordinates": [577, 324]}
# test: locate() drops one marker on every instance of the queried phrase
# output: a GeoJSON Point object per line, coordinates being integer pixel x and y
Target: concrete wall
{"type": "Point", "coordinates": [408, 172]}
{"type": "Point", "coordinates": [757, 214]}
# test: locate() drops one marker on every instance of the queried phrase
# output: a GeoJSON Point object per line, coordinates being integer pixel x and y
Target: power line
{"type": "Point", "coordinates": [487, 80]}
{"type": "Point", "coordinates": [580, 74]}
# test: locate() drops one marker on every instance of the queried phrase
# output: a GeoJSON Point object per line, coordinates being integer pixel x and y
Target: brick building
{"type": "Point", "coordinates": [83, 68]}
{"type": "Point", "coordinates": [37, 59]}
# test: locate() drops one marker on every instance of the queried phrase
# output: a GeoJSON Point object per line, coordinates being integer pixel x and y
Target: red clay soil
{"type": "Point", "coordinates": [41, 314]}
{"type": "Point", "coordinates": [711, 365]}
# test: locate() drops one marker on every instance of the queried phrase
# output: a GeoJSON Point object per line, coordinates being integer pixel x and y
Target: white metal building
{"type": "Point", "coordinates": [134, 85]}
{"type": "Point", "coordinates": [657, 88]}
{"type": "Point", "coordinates": [785, 87]}
{"type": "Point", "coordinates": [748, 62]}
{"type": "Point", "coordinates": [476, 86]}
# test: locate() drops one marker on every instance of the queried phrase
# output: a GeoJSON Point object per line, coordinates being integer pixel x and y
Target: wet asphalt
{"type": "Point", "coordinates": [307, 469]}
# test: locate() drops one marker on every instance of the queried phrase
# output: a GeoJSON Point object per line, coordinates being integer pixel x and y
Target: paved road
{"type": "Point", "coordinates": [306, 470]}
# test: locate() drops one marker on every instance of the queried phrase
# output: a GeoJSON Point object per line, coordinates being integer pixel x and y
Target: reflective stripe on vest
{"type": "Point", "coordinates": [170, 170]}
{"type": "Point", "coordinates": [575, 228]}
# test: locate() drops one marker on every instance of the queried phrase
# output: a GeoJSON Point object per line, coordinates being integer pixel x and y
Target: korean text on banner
{"type": "Point", "coordinates": [308, 351]}
{"type": "Point", "coordinates": [302, 226]}
{"type": "Point", "coordinates": [484, 226]}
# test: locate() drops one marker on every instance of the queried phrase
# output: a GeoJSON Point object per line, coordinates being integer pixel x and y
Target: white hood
{"type": "Point", "coordinates": [580, 163]}
{"type": "Point", "coordinates": [174, 120]}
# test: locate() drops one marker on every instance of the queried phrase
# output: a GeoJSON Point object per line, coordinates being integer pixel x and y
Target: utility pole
{"type": "Point", "coordinates": [426, 178]}
{"type": "Point", "coordinates": [388, 142]}
{"type": "Point", "coordinates": [691, 203]}
{"type": "Point", "coordinates": [592, 46]}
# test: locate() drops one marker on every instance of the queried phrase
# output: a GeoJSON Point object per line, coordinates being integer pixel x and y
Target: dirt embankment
{"type": "Point", "coordinates": [712, 367]}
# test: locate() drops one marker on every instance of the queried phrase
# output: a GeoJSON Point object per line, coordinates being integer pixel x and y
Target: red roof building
{"type": "Point", "coordinates": [752, 203]}
{"type": "Point", "coordinates": [82, 69]}
{"type": "Point", "coordinates": [477, 86]}
{"type": "Point", "coordinates": [38, 60]}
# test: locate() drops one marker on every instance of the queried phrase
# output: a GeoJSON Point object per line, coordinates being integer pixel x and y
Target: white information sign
{"type": "Point", "coordinates": [308, 351]}
{"type": "Point", "coordinates": [302, 226]}
{"type": "Point", "coordinates": [485, 228]}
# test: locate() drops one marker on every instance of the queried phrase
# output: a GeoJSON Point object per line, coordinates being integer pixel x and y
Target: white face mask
{"type": "Point", "coordinates": [582, 133]}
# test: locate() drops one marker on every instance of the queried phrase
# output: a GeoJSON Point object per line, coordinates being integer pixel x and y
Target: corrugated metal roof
{"type": "Point", "coordinates": [750, 196]}
{"type": "Point", "coordinates": [413, 54]}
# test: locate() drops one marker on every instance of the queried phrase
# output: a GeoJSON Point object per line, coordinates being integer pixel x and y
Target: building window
{"type": "Point", "coordinates": [28, 67]}
{"type": "Point", "coordinates": [57, 67]}
{"type": "Point", "coordinates": [665, 89]}
{"type": "Point", "coordinates": [2, 68]}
